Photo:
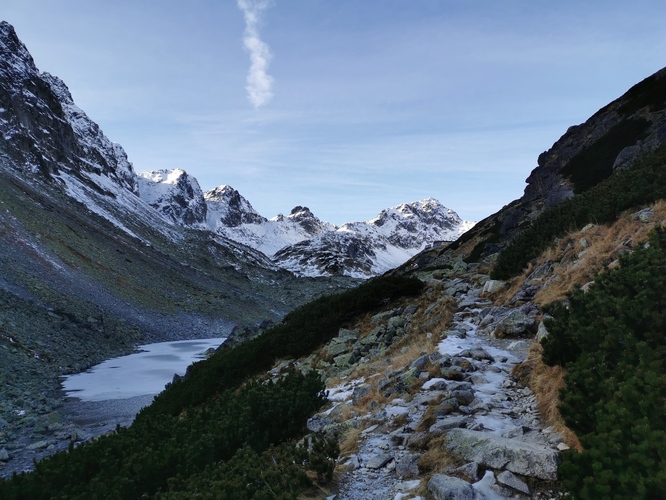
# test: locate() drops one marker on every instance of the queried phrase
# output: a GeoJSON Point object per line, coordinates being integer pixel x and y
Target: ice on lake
{"type": "Point", "coordinates": [139, 374]}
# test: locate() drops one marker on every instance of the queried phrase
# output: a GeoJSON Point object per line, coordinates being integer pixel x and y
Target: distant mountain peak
{"type": "Point", "coordinates": [227, 208]}
{"type": "Point", "coordinates": [175, 194]}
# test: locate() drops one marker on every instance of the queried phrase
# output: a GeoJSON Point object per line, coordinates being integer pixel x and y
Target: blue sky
{"type": "Point", "coordinates": [367, 103]}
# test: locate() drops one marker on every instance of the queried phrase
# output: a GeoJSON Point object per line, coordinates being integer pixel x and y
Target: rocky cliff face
{"type": "Point", "coordinates": [613, 139]}
{"type": "Point", "coordinates": [174, 194]}
{"type": "Point", "coordinates": [44, 133]}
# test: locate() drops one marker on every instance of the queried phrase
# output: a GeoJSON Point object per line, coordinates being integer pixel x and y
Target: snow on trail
{"type": "Point", "coordinates": [506, 409]}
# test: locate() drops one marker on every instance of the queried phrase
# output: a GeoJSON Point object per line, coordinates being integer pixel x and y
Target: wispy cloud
{"type": "Point", "coordinates": [259, 82]}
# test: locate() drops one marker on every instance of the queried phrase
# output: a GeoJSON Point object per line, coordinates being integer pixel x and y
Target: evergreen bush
{"type": "Point", "coordinates": [612, 341]}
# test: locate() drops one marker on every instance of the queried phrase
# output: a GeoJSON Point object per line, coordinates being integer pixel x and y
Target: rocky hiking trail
{"type": "Point", "coordinates": [484, 424]}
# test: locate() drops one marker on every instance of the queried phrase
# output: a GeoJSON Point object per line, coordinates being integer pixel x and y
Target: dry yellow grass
{"type": "Point", "coordinates": [546, 382]}
{"type": "Point", "coordinates": [349, 442]}
{"type": "Point", "coordinates": [574, 265]}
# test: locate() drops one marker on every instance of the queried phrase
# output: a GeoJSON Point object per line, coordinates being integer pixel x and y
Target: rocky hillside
{"type": "Point", "coordinates": [612, 140]}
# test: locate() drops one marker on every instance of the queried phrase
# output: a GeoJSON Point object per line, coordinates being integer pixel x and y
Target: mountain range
{"type": "Point", "coordinates": [443, 374]}
{"type": "Point", "coordinates": [300, 242]}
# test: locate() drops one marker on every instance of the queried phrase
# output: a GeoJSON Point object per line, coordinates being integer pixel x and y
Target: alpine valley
{"type": "Point", "coordinates": [97, 259]}
{"type": "Point", "coordinates": [413, 356]}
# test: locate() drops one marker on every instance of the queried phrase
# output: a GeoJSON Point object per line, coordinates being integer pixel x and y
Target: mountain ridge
{"type": "Point", "coordinates": [300, 242]}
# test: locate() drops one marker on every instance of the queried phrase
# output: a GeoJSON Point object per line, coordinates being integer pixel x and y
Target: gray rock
{"type": "Point", "coordinates": [469, 472]}
{"type": "Point", "coordinates": [509, 479]}
{"type": "Point", "coordinates": [39, 445]}
{"type": "Point", "coordinates": [407, 467]}
{"type": "Point", "coordinates": [337, 348]}
{"type": "Point", "coordinates": [397, 322]}
{"type": "Point", "coordinates": [449, 423]}
{"type": "Point", "coordinates": [411, 309]}
{"type": "Point", "coordinates": [447, 406]}
{"type": "Point", "coordinates": [319, 422]}
{"type": "Point", "coordinates": [542, 331]}
{"type": "Point", "coordinates": [360, 391]}
{"type": "Point", "coordinates": [437, 385]}
{"type": "Point", "coordinates": [464, 397]}
{"type": "Point", "coordinates": [420, 362]}
{"type": "Point", "coordinates": [346, 334]}
{"type": "Point", "coordinates": [383, 316]}
{"type": "Point", "coordinates": [343, 360]}
{"type": "Point", "coordinates": [492, 286]}
{"type": "Point", "coordinates": [491, 451]}
{"type": "Point", "coordinates": [445, 487]}
{"type": "Point", "coordinates": [477, 354]}
{"type": "Point", "coordinates": [4, 455]}
{"type": "Point", "coordinates": [378, 460]}
{"type": "Point", "coordinates": [518, 345]}
{"type": "Point", "coordinates": [515, 322]}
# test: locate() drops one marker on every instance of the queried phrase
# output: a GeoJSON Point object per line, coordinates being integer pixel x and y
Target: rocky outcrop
{"type": "Point", "coordinates": [228, 209]}
{"type": "Point", "coordinates": [612, 139]}
{"type": "Point", "coordinates": [445, 487]}
{"type": "Point", "coordinates": [365, 249]}
{"type": "Point", "coordinates": [494, 452]}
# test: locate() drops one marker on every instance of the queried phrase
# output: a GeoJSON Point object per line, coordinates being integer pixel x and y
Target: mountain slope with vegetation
{"type": "Point", "coordinates": [543, 382]}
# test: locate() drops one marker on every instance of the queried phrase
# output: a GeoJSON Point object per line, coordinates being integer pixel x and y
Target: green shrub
{"type": "Point", "coordinates": [140, 460]}
{"type": "Point", "coordinates": [218, 433]}
{"type": "Point", "coordinates": [612, 340]}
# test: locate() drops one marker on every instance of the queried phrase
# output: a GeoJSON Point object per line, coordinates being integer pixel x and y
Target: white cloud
{"type": "Point", "coordinates": [259, 83]}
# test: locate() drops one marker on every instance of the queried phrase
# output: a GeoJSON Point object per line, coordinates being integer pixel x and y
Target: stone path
{"type": "Point", "coordinates": [489, 421]}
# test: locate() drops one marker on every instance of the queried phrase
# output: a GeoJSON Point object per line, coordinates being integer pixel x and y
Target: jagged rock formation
{"type": "Point", "coordinates": [44, 133]}
{"type": "Point", "coordinates": [364, 249]}
{"type": "Point", "coordinates": [232, 215]}
{"type": "Point", "coordinates": [176, 195]}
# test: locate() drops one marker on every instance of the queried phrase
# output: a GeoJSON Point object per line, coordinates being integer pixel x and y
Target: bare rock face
{"type": "Point", "coordinates": [176, 195]}
{"type": "Point", "coordinates": [612, 139]}
{"type": "Point", "coordinates": [364, 249]}
{"type": "Point", "coordinates": [488, 450]}
{"type": "Point", "coordinates": [443, 487]}
{"type": "Point", "coordinates": [45, 133]}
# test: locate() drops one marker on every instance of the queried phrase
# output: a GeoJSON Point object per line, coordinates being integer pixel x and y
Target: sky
{"type": "Point", "coordinates": [346, 106]}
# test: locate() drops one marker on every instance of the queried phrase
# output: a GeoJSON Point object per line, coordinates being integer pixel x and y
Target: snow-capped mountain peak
{"type": "Point", "coordinates": [228, 209]}
{"type": "Point", "coordinates": [364, 249]}
{"type": "Point", "coordinates": [305, 220]}
{"type": "Point", "coordinates": [175, 194]}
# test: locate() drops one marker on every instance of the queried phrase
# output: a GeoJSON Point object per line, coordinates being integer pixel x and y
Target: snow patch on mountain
{"type": "Point", "coordinates": [176, 195]}
{"type": "Point", "coordinates": [365, 249]}
{"type": "Point", "coordinates": [231, 215]}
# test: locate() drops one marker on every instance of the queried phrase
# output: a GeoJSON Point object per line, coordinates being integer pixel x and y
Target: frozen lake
{"type": "Point", "coordinates": [143, 373]}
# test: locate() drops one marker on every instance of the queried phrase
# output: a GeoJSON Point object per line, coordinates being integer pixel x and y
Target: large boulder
{"type": "Point", "coordinates": [518, 321]}
{"type": "Point", "coordinates": [445, 487]}
{"type": "Point", "coordinates": [495, 452]}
